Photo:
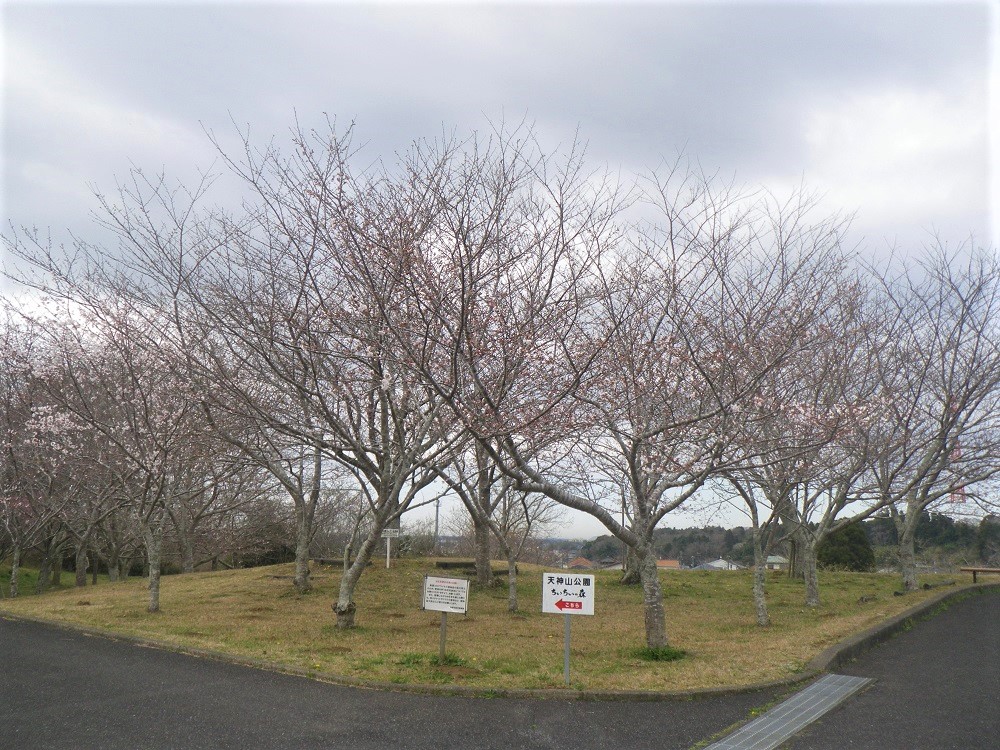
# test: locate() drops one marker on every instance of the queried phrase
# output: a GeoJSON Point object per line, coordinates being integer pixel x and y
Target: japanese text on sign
{"type": "Point", "coordinates": [446, 594]}
{"type": "Point", "coordinates": [568, 593]}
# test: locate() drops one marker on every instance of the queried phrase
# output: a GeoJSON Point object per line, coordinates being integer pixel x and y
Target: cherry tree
{"type": "Point", "coordinates": [36, 477]}
{"type": "Point", "coordinates": [496, 510]}
{"type": "Point", "coordinates": [940, 371]}
{"type": "Point", "coordinates": [287, 302]}
{"type": "Point", "coordinates": [804, 437]}
{"type": "Point", "coordinates": [542, 320]}
{"type": "Point", "coordinates": [106, 378]}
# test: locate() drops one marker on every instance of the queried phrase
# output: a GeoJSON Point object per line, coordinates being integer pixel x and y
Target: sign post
{"type": "Point", "coordinates": [389, 535]}
{"type": "Point", "coordinates": [445, 595]}
{"type": "Point", "coordinates": [567, 594]}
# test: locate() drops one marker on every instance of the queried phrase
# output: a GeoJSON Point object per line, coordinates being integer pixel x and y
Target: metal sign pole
{"type": "Point", "coordinates": [388, 547]}
{"type": "Point", "coordinates": [444, 635]}
{"type": "Point", "coordinates": [566, 640]}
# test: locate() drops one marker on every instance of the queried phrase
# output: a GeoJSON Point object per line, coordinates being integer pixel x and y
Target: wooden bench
{"type": "Point", "coordinates": [976, 571]}
{"type": "Point", "coordinates": [469, 566]}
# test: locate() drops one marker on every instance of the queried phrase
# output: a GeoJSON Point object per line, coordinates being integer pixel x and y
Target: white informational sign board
{"type": "Point", "coordinates": [446, 594]}
{"type": "Point", "coordinates": [568, 593]}
{"type": "Point", "coordinates": [390, 533]}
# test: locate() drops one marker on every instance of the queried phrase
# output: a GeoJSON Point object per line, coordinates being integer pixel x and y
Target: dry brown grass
{"type": "Point", "coordinates": [257, 614]}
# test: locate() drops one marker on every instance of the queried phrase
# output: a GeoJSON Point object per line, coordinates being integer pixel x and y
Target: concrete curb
{"type": "Point", "coordinates": [829, 659]}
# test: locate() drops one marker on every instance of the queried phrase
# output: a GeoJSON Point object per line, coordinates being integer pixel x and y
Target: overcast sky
{"type": "Point", "coordinates": [885, 109]}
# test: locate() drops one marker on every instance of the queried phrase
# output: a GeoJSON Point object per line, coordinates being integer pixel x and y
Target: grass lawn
{"type": "Point", "coordinates": [28, 577]}
{"type": "Point", "coordinates": [256, 613]}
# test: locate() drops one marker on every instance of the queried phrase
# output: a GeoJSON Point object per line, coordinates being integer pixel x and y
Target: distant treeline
{"type": "Point", "coordinates": [938, 536]}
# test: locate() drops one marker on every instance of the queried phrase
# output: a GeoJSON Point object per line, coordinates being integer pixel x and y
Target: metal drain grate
{"type": "Point", "coordinates": [786, 719]}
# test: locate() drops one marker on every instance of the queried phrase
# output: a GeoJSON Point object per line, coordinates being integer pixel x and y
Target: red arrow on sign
{"type": "Point", "coordinates": [563, 604]}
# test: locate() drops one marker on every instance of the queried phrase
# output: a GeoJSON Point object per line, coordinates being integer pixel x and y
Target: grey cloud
{"type": "Point", "coordinates": [725, 82]}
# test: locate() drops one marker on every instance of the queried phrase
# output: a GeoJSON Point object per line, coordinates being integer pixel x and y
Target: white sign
{"type": "Point", "coordinates": [567, 593]}
{"type": "Point", "coordinates": [390, 533]}
{"type": "Point", "coordinates": [446, 594]}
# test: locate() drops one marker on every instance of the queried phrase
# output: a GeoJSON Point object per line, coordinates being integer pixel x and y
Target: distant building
{"type": "Point", "coordinates": [668, 564]}
{"type": "Point", "coordinates": [776, 562]}
{"type": "Point", "coordinates": [580, 563]}
{"type": "Point", "coordinates": [719, 564]}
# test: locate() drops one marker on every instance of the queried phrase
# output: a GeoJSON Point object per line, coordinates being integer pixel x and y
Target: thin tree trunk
{"type": "Point", "coordinates": [302, 581]}
{"type": "Point", "coordinates": [154, 548]}
{"type": "Point", "coordinates": [44, 574]}
{"type": "Point", "coordinates": [112, 561]}
{"type": "Point", "coordinates": [57, 570]}
{"type": "Point", "coordinates": [908, 558]}
{"type": "Point", "coordinates": [484, 567]}
{"type": "Point", "coordinates": [305, 513]}
{"type": "Point", "coordinates": [187, 553]}
{"type": "Point", "coordinates": [811, 573]}
{"type": "Point", "coordinates": [81, 566]}
{"type": "Point", "coordinates": [511, 581]}
{"type": "Point", "coordinates": [759, 591]}
{"type": "Point", "coordinates": [762, 542]}
{"type": "Point", "coordinates": [652, 600]}
{"type": "Point", "coordinates": [797, 554]}
{"type": "Point", "coordinates": [15, 570]}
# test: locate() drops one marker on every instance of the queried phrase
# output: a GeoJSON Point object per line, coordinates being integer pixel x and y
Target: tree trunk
{"type": "Point", "coordinates": [908, 558]}
{"type": "Point", "coordinates": [302, 533]}
{"type": "Point", "coordinates": [15, 571]}
{"type": "Point", "coordinates": [57, 570]}
{"type": "Point", "coordinates": [759, 590]}
{"type": "Point", "coordinates": [113, 567]}
{"type": "Point", "coordinates": [187, 554]}
{"type": "Point", "coordinates": [511, 581]}
{"type": "Point", "coordinates": [154, 548]}
{"type": "Point", "coordinates": [81, 566]}
{"type": "Point", "coordinates": [484, 568]}
{"type": "Point", "coordinates": [44, 574]}
{"type": "Point", "coordinates": [631, 573]}
{"type": "Point", "coordinates": [652, 600]}
{"type": "Point", "coordinates": [305, 513]}
{"type": "Point", "coordinates": [797, 554]}
{"type": "Point", "coordinates": [810, 573]}
{"type": "Point", "coordinates": [345, 608]}
{"type": "Point", "coordinates": [759, 577]}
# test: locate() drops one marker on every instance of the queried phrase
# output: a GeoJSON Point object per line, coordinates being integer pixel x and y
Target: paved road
{"type": "Point", "coordinates": [937, 687]}
{"type": "Point", "coordinates": [59, 689]}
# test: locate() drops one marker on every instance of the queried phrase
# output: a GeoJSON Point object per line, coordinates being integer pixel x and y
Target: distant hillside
{"type": "Point", "coordinates": [941, 539]}
{"type": "Point", "coordinates": [690, 546]}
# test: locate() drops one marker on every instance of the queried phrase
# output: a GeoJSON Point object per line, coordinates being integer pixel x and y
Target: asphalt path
{"type": "Point", "coordinates": [937, 686]}
{"type": "Point", "coordinates": [61, 689]}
